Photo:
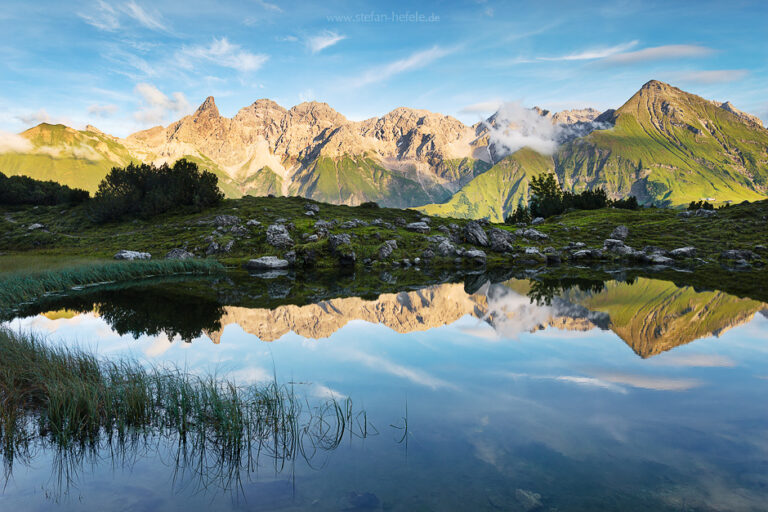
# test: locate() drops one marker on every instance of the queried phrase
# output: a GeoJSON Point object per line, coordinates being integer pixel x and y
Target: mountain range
{"type": "Point", "coordinates": [665, 146]}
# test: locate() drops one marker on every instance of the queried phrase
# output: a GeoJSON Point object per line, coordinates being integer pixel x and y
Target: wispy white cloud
{"type": "Point", "coordinates": [715, 76]}
{"type": "Point", "coordinates": [34, 118]}
{"type": "Point", "coordinates": [150, 20]}
{"type": "Point", "coordinates": [269, 6]}
{"type": "Point", "coordinates": [107, 17]}
{"type": "Point", "coordinates": [103, 17]}
{"type": "Point", "coordinates": [594, 53]}
{"type": "Point", "coordinates": [222, 53]}
{"type": "Point", "coordinates": [102, 110]}
{"type": "Point", "coordinates": [416, 60]}
{"type": "Point", "coordinates": [483, 107]}
{"type": "Point", "coordinates": [324, 40]}
{"type": "Point", "coordinates": [671, 51]}
{"type": "Point", "coordinates": [652, 382]}
{"type": "Point", "coordinates": [156, 106]}
{"type": "Point", "coordinates": [695, 360]}
{"type": "Point", "coordinates": [10, 142]}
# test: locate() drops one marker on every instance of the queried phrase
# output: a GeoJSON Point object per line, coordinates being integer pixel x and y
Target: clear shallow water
{"type": "Point", "coordinates": [639, 396]}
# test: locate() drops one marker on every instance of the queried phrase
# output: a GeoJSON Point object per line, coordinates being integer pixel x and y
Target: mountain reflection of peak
{"type": "Point", "coordinates": [651, 316]}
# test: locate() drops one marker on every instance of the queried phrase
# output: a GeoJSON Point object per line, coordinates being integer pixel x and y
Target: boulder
{"type": "Point", "coordinates": [683, 252]}
{"type": "Point", "coordinates": [311, 207]}
{"type": "Point", "coordinates": [476, 255]}
{"type": "Point", "coordinates": [277, 236]}
{"type": "Point", "coordinates": [500, 240]}
{"type": "Point", "coordinates": [132, 255]}
{"type": "Point", "coordinates": [225, 220]}
{"type": "Point", "coordinates": [445, 249]}
{"type": "Point", "coordinates": [739, 254]}
{"type": "Point", "coordinates": [572, 246]}
{"type": "Point", "coordinates": [267, 263]}
{"type": "Point", "coordinates": [620, 233]}
{"type": "Point", "coordinates": [531, 234]}
{"type": "Point", "coordinates": [658, 259]}
{"type": "Point", "coordinates": [354, 223]}
{"type": "Point", "coordinates": [212, 248]}
{"type": "Point", "coordinates": [474, 234]}
{"type": "Point", "coordinates": [701, 212]}
{"type": "Point", "coordinates": [387, 248]}
{"type": "Point", "coordinates": [179, 254]}
{"type": "Point", "coordinates": [537, 221]}
{"type": "Point", "coordinates": [587, 254]}
{"type": "Point", "coordinates": [253, 223]}
{"type": "Point", "coordinates": [336, 241]}
{"type": "Point", "coordinates": [418, 227]}
{"type": "Point", "coordinates": [35, 226]}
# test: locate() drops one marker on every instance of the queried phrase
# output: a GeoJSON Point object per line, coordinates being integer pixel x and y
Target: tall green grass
{"type": "Point", "coordinates": [78, 404]}
{"type": "Point", "coordinates": [21, 287]}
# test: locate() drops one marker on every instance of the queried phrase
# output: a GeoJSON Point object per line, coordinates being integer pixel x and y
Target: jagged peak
{"type": "Point", "coordinates": [208, 106]}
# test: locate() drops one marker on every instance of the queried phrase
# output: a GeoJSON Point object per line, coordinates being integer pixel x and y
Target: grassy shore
{"type": "Point", "coordinates": [25, 285]}
{"type": "Point", "coordinates": [67, 399]}
{"type": "Point", "coordinates": [69, 232]}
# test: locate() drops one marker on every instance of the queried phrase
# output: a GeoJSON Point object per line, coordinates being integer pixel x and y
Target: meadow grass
{"type": "Point", "coordinates": [23, 286]}
{"type": "Point", "coordinates": [72, 401]}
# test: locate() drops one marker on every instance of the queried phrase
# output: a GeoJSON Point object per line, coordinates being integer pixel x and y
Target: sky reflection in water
{"type": "Point", "coordinates": [505, 401]}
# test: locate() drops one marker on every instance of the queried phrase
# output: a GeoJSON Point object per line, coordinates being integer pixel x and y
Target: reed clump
{"type": "Point", "coordinates": [22, 287]}
{"type": "Point", "coordinates": [70, 400]}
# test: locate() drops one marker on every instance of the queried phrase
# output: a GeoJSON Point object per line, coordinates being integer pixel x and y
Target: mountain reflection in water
{"type": "Point", "coordinates": [651, 316]}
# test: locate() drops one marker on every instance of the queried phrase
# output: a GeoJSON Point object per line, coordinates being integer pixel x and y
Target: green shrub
{"type": "Point", "coordinates": [700, 205]}
{"type": "Point", "coordinates": [369, 204]}
{"type": "Point", "coordinates": [521, 215]}
{"type": "Point", "coordinates": [144, 190]}
{"type": "Point", "coordinates": [16, 190]}
{"type": "Point", "coordinates": [627, 203]}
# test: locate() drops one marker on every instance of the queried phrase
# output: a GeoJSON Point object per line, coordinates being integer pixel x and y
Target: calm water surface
{"type": "Point", "coordinates": [639, 396]}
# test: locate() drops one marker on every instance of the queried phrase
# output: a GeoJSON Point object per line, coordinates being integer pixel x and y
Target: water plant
{"type": "Point", "coordinates": [80, 406]}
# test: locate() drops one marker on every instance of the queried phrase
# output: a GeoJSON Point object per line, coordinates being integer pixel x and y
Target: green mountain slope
{"type": "Point", "coordinates": [75, 158]}
{"type": "Point", "coordinates": [670, 147]}
{"type": "Point", "coordinates": [496, 192]}
{"type": "Point", "coordinates": [354, 180]}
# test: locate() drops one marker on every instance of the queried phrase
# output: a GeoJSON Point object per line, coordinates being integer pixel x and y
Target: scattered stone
{"type": "Point", "coordinates": [445, 249]}
{"type": "Point", "coordinates": [309, 214]}
{"type": "Point", "coordinates": [428, 254]}
{"type": "Point", "coordinates": [179, 254]}
{"type": "Point", "coordinates": [658, 259]}
{"type": "Point", "coordinates": [444, 229]}
{"type": "Point", "coordinates": [531, 234]}
{"type": "Point", "coordinates": [701, 212]}
{"type": "Point", "coordinates": [476, 255]}
{"type": "Point", "coordinates": [239, 230]}
{"type": "Point", "coordinates": [739, 254]}
{"type": "Point", "coordinates": [335, 241]}
{"type": "Point", "coordinates": [501, 240]}
{"type": "Point", "coordinates": [253, 223]}
{"type": "Point", "coordinates": [537, 221]}
{"type": "Point", "coordinates": [418, 227]}
{"type": "Point", "coordinates": [311, 207]}
{"type": "Point", "coordinates": [212, 248]}
{"type": "Point", "coordinates": [387, 248]}
{"type": "Point", "coordinates": [425, 220]}
{"type": "Point", "coordinates": [312, 238]}
{"type": "Point", "coordinates": [132, 255]}
{"type": "Point", "coordinates": [683, 252]}
{"type": "Point", "coordinates": [225, 220]}
{"type": "Point", "coordinates": [620, 233]}
{"type": "Point", "coordinates": [618, 247]}
{"type": "Point", "coordinates": [228, 246]}
{"type": "Point", "coordinates": [267, 263]}
{"type": "Point", "coordinates": [474, 234]}
{"type": "Point", "coordinates": [575, 245]}
{"type": "Point", "coordinates": [277, 236]}
{"type": "Point", "coordinates": [35, 226]}
{"type": "Point", "coordinates": [290, 257]}
{"type": "Point", "coordinates": [354, 223]}
{"type": "Point", "coordinates": [400, 222]}
{"type": "Point", "coordinates": [587, 254]}
{"type": "Point", "coordinates": [652, 249]}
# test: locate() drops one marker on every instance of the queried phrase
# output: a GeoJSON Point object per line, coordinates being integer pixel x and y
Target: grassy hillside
{"type": "Point", "coordinates": [75, 158]}
{"type": "Point", "coordinates": [354, 180]}
{"type": "Point", "coordinates": [670, 147]}
{"type": "Point", "coordinates": [654, 316]}
{"type": "Point", "coordinates": [495, 193]}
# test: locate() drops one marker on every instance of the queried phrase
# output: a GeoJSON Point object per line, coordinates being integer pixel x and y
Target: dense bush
{"type": "Point", "coordinates": [23, 190]}
{"type": "Point", "coordinates": [369, 204]}
{"type": "Point", "coordinates": [700, 205]}
{"type": "Point", "coordinates": [548, 199]}
{"type": "Point", "coordinates": [145, 190]}
{"type": "Point", "coordinates": [628, 203]}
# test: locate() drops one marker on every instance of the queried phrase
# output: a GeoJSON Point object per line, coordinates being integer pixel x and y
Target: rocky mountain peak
{"type": "Point", "coordinates": [748, 118]}
{"type": "Point", "coordinates": [207, 107]}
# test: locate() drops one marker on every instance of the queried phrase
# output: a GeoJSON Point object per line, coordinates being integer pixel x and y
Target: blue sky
{"type": "Point", "coordinates": [127, 65]}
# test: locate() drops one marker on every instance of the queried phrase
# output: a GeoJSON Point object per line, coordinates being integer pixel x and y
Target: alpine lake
{"type": "Point", "coordinates": [468, 392]}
